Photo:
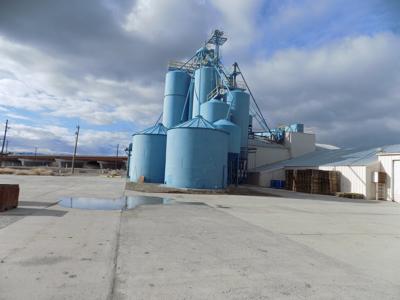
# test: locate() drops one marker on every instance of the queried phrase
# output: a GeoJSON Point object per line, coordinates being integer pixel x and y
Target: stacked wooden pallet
{"type": "Point", "coordinates": [289, 179]}
{"type": "Point", "coordinates": [9, 194]}
{"type": "Point", "coordinates": [313, 181]}
{"type": "Point", "coordinates": [334, 182]}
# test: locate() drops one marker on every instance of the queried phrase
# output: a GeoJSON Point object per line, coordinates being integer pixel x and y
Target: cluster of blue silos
{"type": "Point", "coordinates": [203, 134]}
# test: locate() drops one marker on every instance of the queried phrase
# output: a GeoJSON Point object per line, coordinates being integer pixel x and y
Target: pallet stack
{"type": "Point", "coordinates": [334, 182]}
{"type": "Point", "coordinates": [289, 178]}
{"type": "Point", "coordinates": [313, 181]}
{"type": "Point", "coordinates": [9, 194]}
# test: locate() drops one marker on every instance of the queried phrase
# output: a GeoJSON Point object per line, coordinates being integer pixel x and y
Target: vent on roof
{"type": "Point", "coordinates": [197, 122]}
{"type": "Point", "coordinates": [156, 129]}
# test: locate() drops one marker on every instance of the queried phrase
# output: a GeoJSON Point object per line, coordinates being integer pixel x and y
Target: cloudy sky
{"type": "Point", "coordinates": [331, 64]}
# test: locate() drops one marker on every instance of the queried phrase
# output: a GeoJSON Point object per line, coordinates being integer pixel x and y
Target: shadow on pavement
{"type": "Point", "coordinates": [36, 203]}
{"type": "Point", "coordinates": [37, 212]}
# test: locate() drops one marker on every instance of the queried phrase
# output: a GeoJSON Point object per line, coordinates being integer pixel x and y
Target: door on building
{"type": "Point", "coordinates": [396, 180]}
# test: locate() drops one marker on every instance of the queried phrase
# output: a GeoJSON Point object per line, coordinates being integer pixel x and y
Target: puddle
{"type": "Point", "coordinates": [122, 203]}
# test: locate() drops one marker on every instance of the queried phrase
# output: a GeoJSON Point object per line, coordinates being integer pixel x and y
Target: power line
{"type": "Point", "coordinates": [4, 137]}
{"type": "Point", "coordinates": [76, 146]}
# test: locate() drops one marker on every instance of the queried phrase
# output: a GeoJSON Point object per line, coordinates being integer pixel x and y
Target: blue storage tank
{"type": "Point", "coordinates": [233, 148]}
{"type": "Point", "coordinates": [234, 134]}
{"type": "Point", "coordinates": [205, 80]}
{"type": "Point", "coordinates": [196, 155]}
{"type": "Point", "coordinates": [148, 154]}
{"type": "Point", "coordinates": [214, 110]}
{"type": "Point", "coordinates": [176, 90]}
{"type": "Point", "coordinates": [239, 102]}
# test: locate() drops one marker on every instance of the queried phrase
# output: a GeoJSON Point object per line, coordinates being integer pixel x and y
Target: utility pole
{"type": "Point", "coordinates": [35, 152]}
{"type": "Point", "coordinates": [4, 137]}
{"type": "Point", "coordinates": [76, 146]}
{"type": "Point", "coordinates": [7, 147]}
{"type": "Point", "coordinates": [116, 157]}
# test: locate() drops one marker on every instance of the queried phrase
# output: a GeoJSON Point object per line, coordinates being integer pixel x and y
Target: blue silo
{"type": "Point", "coordinates": [214, 110]}
{"type": "Point", "coordinates": [176, 91]}
{"type": "Point", "coordinates": [234, 134]}
{"type": "Point", "coordinates": [239, 108]}
{"type": "Point", "coordinates": [148, 154]}
{"type": "Point", "coordinates": [233, 148]}
{"type": "Point", "coordinates": [196, 155]}
{"type": "Point", "coordinates": [205, 80]}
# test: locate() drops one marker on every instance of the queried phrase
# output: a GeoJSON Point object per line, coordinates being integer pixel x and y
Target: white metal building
{"type": "Point", "coordinates": [296, 144]}
{"type": "Point", "coordinates": [355, 165]}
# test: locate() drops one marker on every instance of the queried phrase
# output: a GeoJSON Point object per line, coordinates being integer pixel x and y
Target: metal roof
{"type": "Point", "coordinates": [156, 129]}
{"type": "Point", "coordinates": [390, 149]}
{"type": "Point", "coordinates": [333, 157]}
{"type": "Point", "coordinates": [197, 122]}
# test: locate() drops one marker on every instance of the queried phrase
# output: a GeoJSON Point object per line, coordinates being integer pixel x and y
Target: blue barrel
{"type": "Point", "coordinates": [239, 108]}
{"type": "Point", "coordinates": [148, 155]}
{"type": "Point", "coordinates": [234, 134]}
{"type": "Point", "coordinates": [214, 110]}
{"type": "Point", "coordinates": [282, 184]}
{"type": "Point", "coordinates": [176, 91]}
{"type": "Point", "coordinates": [277, 184]}
{"type": "Point", "coordinates": [196, 156]}
{"type": "Point", "coordinates": [205, 80]}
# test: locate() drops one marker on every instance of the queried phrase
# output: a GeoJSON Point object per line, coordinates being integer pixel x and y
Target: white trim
{"type": "Point", "coordinates": [392, 183]}
{"type": "Point", "coordinates": [388, 154]}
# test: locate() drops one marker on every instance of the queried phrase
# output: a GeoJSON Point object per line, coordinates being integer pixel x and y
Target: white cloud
{"type": "Point", "coordinates": [109, 66]}
{"type": "Point", "coordinates": [37, 83]}
{"type": "Point", "coordinates": [338, 88]}
{"type": "Point", "coordinates": [17, 116]}
{"type": "Point", "coordinates": [238, 19]}
{"type": "Point", "coordinates": [168, 22]}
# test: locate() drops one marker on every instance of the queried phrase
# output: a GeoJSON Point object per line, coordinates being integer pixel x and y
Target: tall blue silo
{"type": "Point", "coordinates": [214, 110]}
{"type": "Point", "coordinates": [148, 154]}
{"type": "Point", "coordinates": [233, 148]}
{"type": "Point", "coordinates": [196, 155]}
{"type": "Point", "coordinates": [239, 108]}
{"type": "Point", "coordinates": [176, 91]}
{"type": "Point", "coordinates": [205, 80]}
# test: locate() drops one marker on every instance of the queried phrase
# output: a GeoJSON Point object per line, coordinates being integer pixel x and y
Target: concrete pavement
{"type": "Point", "coordinates": [234, 247]}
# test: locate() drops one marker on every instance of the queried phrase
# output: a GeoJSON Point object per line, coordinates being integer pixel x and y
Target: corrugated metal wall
{"type": "Point", "coordinates": [353, 178]}
{"type": "Point", "coordinates": [386, 164]}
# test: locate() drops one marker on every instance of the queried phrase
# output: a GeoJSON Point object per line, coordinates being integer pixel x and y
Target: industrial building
{"type": "Point", "coordinates": [213, 134]}
{"type": "Point", "coordinates": [357, 168]}
{"type": "Point", "coordinates": [202, 142]}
